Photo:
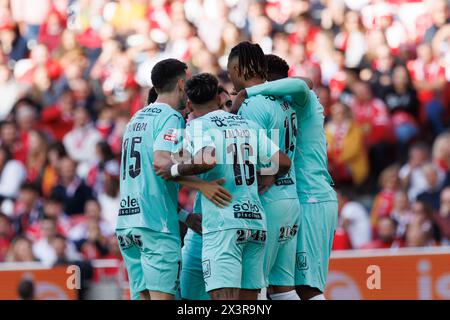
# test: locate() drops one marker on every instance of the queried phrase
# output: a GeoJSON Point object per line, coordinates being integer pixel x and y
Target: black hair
{"type": "Point", "coordinates": [277, 67]}
{"type": "Point", "coordinates": [252, 61]}
{"type": "Point", "coordinates": [105, 150]}
{"type": "Point", "coordinates": [55, 198]}
{"type": "Point", "coordinates": [420, 145]}
{"type": "Point", "coordinates": [165, 74]}
{"type": "Point", "coordinates": [59, 148]}
{"type": "Point", "coordinates": [26, 289]}
{"type": "Point", "coordinates": [7, 152]}
{"type": "Point", "coordinates": [5, 217]}
{"type": "Point", "coordinates": [202, 88]}
{"type": "Point", "coordinates": [152, 95]}
{"type": "Point", "coordinates": [59, 236]}
{"type": "Point", "coordinates": [221, 89]}
{"type": "Point", "coordinates": [27, 186]}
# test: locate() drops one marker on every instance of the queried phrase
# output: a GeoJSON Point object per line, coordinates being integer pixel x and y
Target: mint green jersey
{"type": "Point", "coordinates": [148, 201]}
{"type": "Point", "coordinates": [314, 183]}
{"type": "Point", "coordinates": [239, 145]}
{"type": "Point", "coordinates": [279, 119]}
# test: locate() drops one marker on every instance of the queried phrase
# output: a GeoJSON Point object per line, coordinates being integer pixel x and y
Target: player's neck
{"type": "Point", "coordinates": [254, 81]}
{"type": "Point", "coordinates": [168, 98]}
{"type": "Point", "coordinates": [200, 112]}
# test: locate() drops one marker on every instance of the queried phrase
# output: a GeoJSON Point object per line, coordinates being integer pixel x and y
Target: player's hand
{"type": "Point", "coordinates": [264, 183]}
{"type": "Point", "coordinates": [164, 172]}
{"type": "Point", "coordinates": [215, 193]}
{"type": "Point", "coordinates": [238, 100]}
{"type": "Point", "coordinates": [194, 222]}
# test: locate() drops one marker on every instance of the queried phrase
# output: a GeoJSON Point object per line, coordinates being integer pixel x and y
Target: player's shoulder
{"type": "Point", "coordinates": [260, 99]}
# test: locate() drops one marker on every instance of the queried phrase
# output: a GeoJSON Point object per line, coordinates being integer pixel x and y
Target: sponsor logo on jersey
{"type": "Point", "coordinates": [171, 135]}
{"type": "Point", "coordinates": [247, 210]}
{"type": "Point", "coordinates": [286, 180]}
{"type": "Point", "coordinates": [228, 120]}
{"type": "Point", "coordinates": [129, 206]}
{"type": "Point", "coordinates": [152, 110]}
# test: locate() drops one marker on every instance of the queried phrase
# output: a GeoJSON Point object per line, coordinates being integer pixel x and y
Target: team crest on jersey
{"type": "Point", "coordinates": [206, 266]}
{"type": "Point", "coordinates": [301, 261]}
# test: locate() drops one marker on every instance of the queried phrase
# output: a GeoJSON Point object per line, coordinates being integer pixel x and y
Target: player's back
{"type": "Point", "coordinates": [277, 116]}
{"type": "Point", "coordinates": [147, 200]}
{"type": "Point", "coordinates": [237, 145]}
{"type": "Point", "coordinates": [314, 183]}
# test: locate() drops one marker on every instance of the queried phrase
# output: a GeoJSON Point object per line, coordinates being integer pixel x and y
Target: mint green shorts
{"type": "Point", "coordinates": [192, 285]}
{"type": "Point", "coordinates": [152, 259]}
{"type": "Point", "coordinates": [317, 227]}
{"type": "Point", "coordinates": [234, 258]}
{"type": "Point", "coordinates": [282, 229]}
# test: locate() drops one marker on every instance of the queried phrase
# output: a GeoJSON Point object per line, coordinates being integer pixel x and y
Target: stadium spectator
{"type": "Point", "coordinates": [428, 77]}
{"type": "Point", "coordinates": [384, 200]}
{"type": "Point", "coordinates": [71, 188]}
{"type": "Point", "coordinates": [12, 175]}
{"type": "Point", "coordinates": [371, 113]}
{"type": "Point", "coordinates": [440, 16]}
{"type": "Point", "coordinates": [109, 197]}
{"type": "Point", "coordinates": [347, 153]}
{"type": "Point", "coordinates": [385, 235]}
{"type": "Point", "coordinates": [441, 153]}
{"type": "Point", "coordinates": [442, 218]}
{"type": "Point", "coordinates": [41, 247]}
{"type": "Point", "coordinates": [28, 208]}
{"type": "Point", "coordinates": [81, 141]}
{"type": "Point", "coordinates": [92, 217]}
{"type": "Point", "coordinates": [411, 174]}
{"type": "Point", "coordinates": [434, 186]}
{"type": "Point", "coordinates": [20, 250]}
{"type": "Point", "coordinates": [422, 216]}
{"type": "Point", "coordinates": [401, 101]}
{"type": "Point", "coordinates": [55, 153]}
{"type": "Point", "coordinates": [6, 234]}
{"type": "Point", "coordinates": [401, 212]}
{"type": "Point", "coordinates": [355, 220]}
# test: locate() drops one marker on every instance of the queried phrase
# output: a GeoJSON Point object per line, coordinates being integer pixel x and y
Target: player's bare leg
{"type": "Point", "coordinates": [245, 294]}
{"type": "Point", "coordinates": [224, 294]}
{"type": "Point", "coordinates": [144, 295]}
{"type": "Point", "coordinates": [282, 293]}
{"type": "Point", "coordinates": [308, 293]}
{"type": "Point", "coordinates": [157, 295]}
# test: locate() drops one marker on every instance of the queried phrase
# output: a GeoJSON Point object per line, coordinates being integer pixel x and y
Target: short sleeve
{"type": "Point", "coordinates": [254, 109]}
{"type": "Point", "coordinates": [169, 135]}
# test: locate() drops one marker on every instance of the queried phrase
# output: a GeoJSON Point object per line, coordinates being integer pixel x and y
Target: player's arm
{"type": "Point", "coordinates": [280, 163]}
{"type": "Point", "coordinates": [297, 88]}
{"type": "Point", "coordinates": [191, 220]}
{"type": "Point", "coordinates": [166, 145]}
{"type": "Point", "coordinates": [184, 174]}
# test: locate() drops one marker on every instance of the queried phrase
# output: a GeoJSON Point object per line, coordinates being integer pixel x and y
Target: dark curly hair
{"type": "Point", "coordinates": [202, 88]}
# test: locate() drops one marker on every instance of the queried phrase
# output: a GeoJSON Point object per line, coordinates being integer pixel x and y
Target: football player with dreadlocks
{"type": "Point", "coordinates": [247, 67]}
{"type": "Point", "coordinates": [318, 200]}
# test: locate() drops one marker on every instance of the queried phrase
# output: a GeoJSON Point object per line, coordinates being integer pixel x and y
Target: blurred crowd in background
{"type": "Point", "coordinates": [72, 72]}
